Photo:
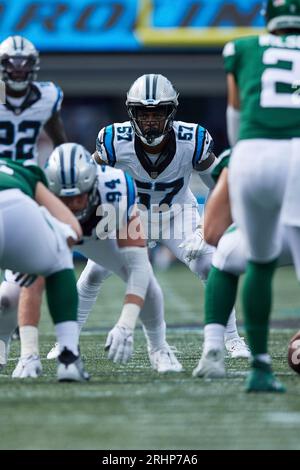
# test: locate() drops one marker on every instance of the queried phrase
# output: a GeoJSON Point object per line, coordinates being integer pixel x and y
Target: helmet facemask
{"type": "Point", "coordinates": [92, 200]}
{"type": "Point", "coordinates": [19, 71]}
{"type": "Point", "coordinates": [151, 123]}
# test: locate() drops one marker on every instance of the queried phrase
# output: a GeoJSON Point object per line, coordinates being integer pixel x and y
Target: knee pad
{"type": "Point", "coordinates": [137, 265]}
{"type": "Point", "coordinates": [9, 301]}
{"type": "Point", "coordinates": [93, 274]}
{"type": "Point", "coordinates": [230, 255]}
{"type": "Point", "coordinates": [9, 296]}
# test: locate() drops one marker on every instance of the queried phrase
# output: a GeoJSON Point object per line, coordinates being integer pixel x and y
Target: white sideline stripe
{"type": "Point", "coordinates": [104, 330]}
{"type": "Point", "coordinates": [284, 417]}
{"type": "Point", "coordinates": [177, 329]}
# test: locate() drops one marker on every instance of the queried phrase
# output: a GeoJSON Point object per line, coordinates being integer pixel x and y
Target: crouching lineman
{"type": "Point", "coordinates": [161, 154]}
{"type": "Point", "coordinates": [34, 240]}
{"type": "Point", "coordinates": [86, 189]}
{"type": "Point", "coordinates": [229, 262]}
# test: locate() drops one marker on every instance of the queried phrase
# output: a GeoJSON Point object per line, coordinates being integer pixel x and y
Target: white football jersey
{"type": "Point", "coordinates": [117, 190]}
{"type": "Point", "coordinates": [21, 126]}
{"type": "Point", "coordinates": [165, 181]}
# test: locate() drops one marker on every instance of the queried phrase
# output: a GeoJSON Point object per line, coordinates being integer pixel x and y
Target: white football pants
{"type": "Point", "coordinates": [264, 193]}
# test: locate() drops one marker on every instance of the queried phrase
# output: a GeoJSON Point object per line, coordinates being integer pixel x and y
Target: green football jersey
{"type": "Point", "coordinates": [267, 71]}
{"type": "Point", "coordinates": [223, 158]}
{"type": "Point", "coordinates": [15, 175]}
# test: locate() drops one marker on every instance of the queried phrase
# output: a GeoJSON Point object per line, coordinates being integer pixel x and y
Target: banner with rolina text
{"type": "Point", "coordinates": [128, 25]}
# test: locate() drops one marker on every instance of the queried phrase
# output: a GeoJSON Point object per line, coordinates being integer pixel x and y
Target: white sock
{"type": "Point", "coordinates": [4, 349]}
{"type": "Point", "coordinates": [67, 334]}
{"type": "Point", "coordinates": [156, 337]}
{"type": "Point", "coordinates": [213, 337]}
{"type": "Point", "coordinates": [231, 331]}
{"type": "Point", "coordinates": [87, 296]}
{"type": "Point", "coordinates": [29, 337]}
{"type": "Point", "coordinates": [263, 358]}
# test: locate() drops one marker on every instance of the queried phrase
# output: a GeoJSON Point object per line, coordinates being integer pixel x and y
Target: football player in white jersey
{"type": "Point", "coordinates": [85, 189]}
{"type": "Point", "coordinates": [30, 107]}
{"type": "Point", "coordinates": [160, 154]}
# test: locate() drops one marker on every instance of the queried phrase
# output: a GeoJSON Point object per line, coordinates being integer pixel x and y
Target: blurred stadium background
{"type": "Point", "coordinates": [94, 50]}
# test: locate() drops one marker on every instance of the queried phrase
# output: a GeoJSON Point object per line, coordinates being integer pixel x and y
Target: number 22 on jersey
{"type": "Point", "coordinates": [275, 76]}
{"type": "Point", "coordinates": [10, 134]}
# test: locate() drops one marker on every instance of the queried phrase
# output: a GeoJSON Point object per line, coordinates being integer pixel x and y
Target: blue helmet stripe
{"type": "Point", "coordinates": [72, 166]}
{"type": "Point", "coordinates": [108, 142]}
{"type": "Point", "coordinates": [154, 86]}
{"type": "Point", "coordinates": [62, 166]}
{"type": "Point", "coordinates": [200, 135]}
{"type": "Point", "coordinates": [147, 87]}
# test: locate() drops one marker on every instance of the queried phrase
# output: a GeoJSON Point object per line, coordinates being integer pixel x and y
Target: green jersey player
{"type": "Point", "coordinates": [264, 117]}
{"type": "Point", "coordinates": [34, 240]}
{"type": "Point", "coordinates": [229, 262]}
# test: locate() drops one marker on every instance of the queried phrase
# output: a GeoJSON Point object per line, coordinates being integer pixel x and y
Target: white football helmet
{"type": "Point", "coordinates": [71, 171]}
{"type": "Point", "coordinates": [19, 62]}
{"type": "Point", "coordinates": [151, 104]}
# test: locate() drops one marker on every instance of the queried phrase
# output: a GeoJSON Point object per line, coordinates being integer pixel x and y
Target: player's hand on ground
{"type": "Point", "coordinates": [119, 344]}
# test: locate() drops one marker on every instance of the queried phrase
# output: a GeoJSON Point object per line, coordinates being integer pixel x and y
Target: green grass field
{"type": "Point", "coordinates": [132, 407]}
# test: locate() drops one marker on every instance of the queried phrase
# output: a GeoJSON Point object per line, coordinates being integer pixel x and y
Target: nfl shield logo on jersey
{"type": "Point", "coordinates": [278, 3]}
{"type": "Point", "coordinates": [154, 174]}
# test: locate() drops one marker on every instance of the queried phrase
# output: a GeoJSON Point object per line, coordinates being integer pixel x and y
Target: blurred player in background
{"type": "Point", "coordinates": [30, 107]}
{"type": "Point", "coordinates": [160, 154]}
{"type": "Point", "coordinates": [229, 262]}
{"type": "Point", "coordinates": [264, 116]}
{"type": "Point", "coordinates": [34, 240]}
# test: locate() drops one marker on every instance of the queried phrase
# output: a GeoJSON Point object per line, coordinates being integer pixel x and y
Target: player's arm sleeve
{"type": "Point", "coordinates": [231, 65]}
{"type": "Point", "coordinates": [105, 145]}
{"type": "Point", "coordinates": [127, 205]}
{"type": "Point", "coordinates": [37, 174]}
{"type": "Point", "coordinates": [231, 57]}
{"type": "Point", "coordinates": [58, 99]}
{"type": "Point", "coordinates": [138, 268]}
{"type": "Point", "coordinates": [233, 121]}
{"type": "Point", "coordinates": [135, 257]}
{"type": "Point", "coordinates": [223, 162]}
{"type": "Point", "coordinates": [204, 159]}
